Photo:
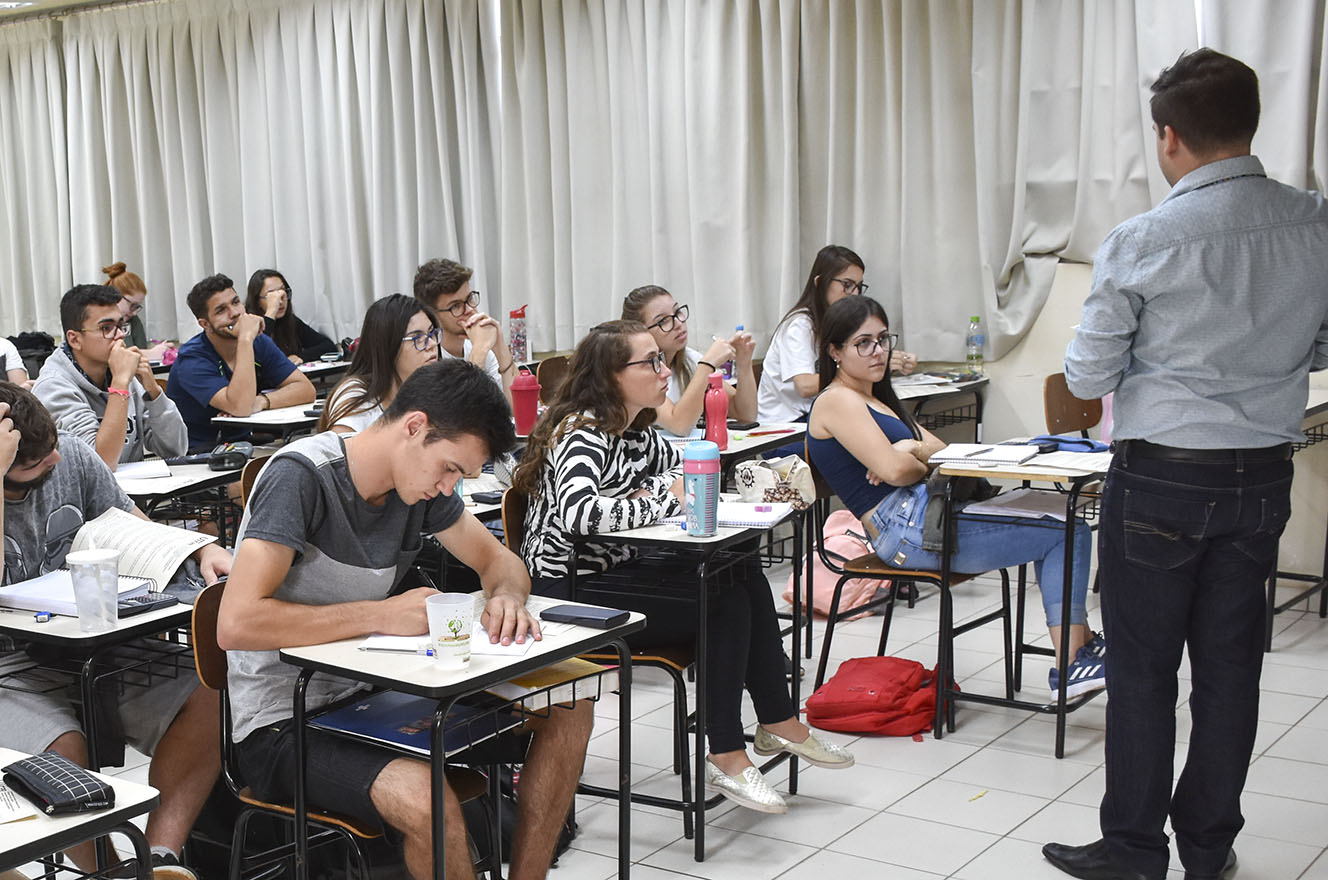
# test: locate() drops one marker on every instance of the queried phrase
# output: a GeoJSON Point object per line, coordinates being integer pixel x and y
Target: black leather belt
{"type": "Point", "coordinates": [1257, 455]}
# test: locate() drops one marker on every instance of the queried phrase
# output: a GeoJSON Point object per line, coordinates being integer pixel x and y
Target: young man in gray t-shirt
{"type": "Point", "coordinates": [53, 483]}
{"type": "Point", "coordinates": [330, 530]}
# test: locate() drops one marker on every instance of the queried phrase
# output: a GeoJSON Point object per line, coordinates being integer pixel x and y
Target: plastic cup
{"type": "Point", "coordinates": [451, 619]}
{"type": "Point", "coordinates": [96, 588]}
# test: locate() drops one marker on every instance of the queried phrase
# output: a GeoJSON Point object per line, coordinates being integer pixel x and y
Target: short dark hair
{"type": "Point", "coordinates": [459, 398]}
{"type": "Point", "coordinates": [34, 424]}
{"type": "Point", "coordinates": [204, 290]}
{"type": "Point", "coordinates": [438, 278]}
{"type": "Point", "coordinates": [74, 304]}
{"type": "Point", "coordinates": [1210, 100]}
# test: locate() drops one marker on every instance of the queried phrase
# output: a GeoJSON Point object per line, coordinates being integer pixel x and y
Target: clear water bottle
{"type": "Point", "coordinates": [730, 367]}
{"type": "Point", "coordinates": [974, 340]}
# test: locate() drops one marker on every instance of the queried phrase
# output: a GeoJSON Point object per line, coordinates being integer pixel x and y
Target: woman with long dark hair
{"type": "Point", "coordinates": [398, 337]}
{"type": "Point", "coordinates": [593, 465]}
{"type": "Point", "coordinates": [269, 295]}
{"type": "Point", "coordinates": [875, 457]}
{"type": "Point", "coordinates": [788, 373]}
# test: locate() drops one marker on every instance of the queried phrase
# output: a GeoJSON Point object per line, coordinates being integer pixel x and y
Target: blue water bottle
{"type": "Point", "coordinates": [700, 478]}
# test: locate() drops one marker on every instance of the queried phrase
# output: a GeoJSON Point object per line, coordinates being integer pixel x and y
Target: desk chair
{"type": "Point", "coordinates": [870, 565]}
{"type": "Point", "coordinates": [1063, 411]}
{"type": "Point", "coordinates": [248, 475]}
{"type": "Point", "coordinates": [550, 374]}
{"type": "Point", "coordinates": [674, 660]}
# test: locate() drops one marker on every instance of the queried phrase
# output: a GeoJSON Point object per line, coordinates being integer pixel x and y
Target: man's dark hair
{"type": "Point", "coordinates": [438, 278]}
{"type": "Point", "coordinates": [1209, 99]}
{"type": "Point", "coordinates": [458, 398]}
{"type": "Point", "coordinates": [74, 304]}
{"type": "Point", "coordinates": [34, 424]}
{"type": "Point", "coordinates": [203, 291]}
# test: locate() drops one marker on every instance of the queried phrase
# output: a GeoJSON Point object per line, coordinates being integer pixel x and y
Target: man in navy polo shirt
{"type": "Point", "coordinates": [230, 368]}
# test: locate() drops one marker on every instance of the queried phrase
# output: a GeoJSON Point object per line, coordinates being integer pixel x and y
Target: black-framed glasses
{"type": "Point", "coordinates": [869, 347]}
{"type": "Point", "coordinates": [134, 307]}
{"type": "Point", "coordinates": [851, 287]}
{"type": "Point", "coordinates": [656, 361]}
{"type": "Point", "coordinates": [461, 305]}
{"type": "Point", "coordinates": [422, 341]}
{"type": "Point", "coordinates": [666, 322]}
{"type": "Point", "coordinates": [109, 329]}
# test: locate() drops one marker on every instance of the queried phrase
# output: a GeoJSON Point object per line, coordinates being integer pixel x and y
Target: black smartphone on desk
{"type": "Point", "coordinates": [585, 615]}
{"type": "Point", "coordinates": [735, 425]}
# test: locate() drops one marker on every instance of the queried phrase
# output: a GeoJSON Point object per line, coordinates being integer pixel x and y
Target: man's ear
{"type": "Point", "coordinates": [416, 423]}
{"type": "Point", "coordinates": [202, 322]}
{"type": "Point", "coordinates": [1170, 140]}
{"type": "Point", "coordinates": [73, 337]}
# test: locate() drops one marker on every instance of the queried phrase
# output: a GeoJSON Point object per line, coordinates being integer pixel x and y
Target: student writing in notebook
{"type": "Point", "coordinates": [874, 455]}
{"type": "Point", "coordinates": [594, 464]}
{"type": "Point", "coordinates": [52, 485]}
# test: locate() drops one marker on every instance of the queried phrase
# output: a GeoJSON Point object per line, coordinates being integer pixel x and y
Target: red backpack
{"type": "Point", "coordinates": [888, 695]}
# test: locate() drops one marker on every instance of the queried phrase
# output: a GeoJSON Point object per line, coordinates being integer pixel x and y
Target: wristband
{"type": "Point", "coordinates": [123, 392]}
{"type": "Point", "coordinates": [713, 368]}
{"type": "Point", "coordinates": [508, 367]}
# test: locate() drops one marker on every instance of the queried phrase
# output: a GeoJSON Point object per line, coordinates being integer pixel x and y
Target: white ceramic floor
{"type": "Point", "coordinates": [978, 804]}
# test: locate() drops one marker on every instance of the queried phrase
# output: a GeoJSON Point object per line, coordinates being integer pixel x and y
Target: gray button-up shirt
{"type": "Point", "coordinates": [1208, 312]}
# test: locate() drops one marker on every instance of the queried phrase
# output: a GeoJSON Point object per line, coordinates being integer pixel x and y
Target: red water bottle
{"type": "Point", "coordinates": [717, 412]}
{"type": "Point", "coordinates": [525, 401]}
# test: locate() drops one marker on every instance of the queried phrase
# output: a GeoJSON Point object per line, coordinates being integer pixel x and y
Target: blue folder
{"type": "Point", "coordinates": [402, 721]}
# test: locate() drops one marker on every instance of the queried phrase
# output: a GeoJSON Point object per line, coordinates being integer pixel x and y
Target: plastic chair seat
{"type": "Point", "coordinates": [675, 657]}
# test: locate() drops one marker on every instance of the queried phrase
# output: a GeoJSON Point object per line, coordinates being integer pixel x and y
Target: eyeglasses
{"type": "Point", "coordinates": [134, 307]}
{"type": "Point", "coordinates": [656, 361]}
{"type": "Point", "coordinates": [109, 329]}
{"type": "Point", "coordinates": [666, 322]}
{"type": "Point", "coordinates": [422, 341]}
{"type": "Point", "coordinates": [851, 287]}
{"type": "Point", "coordinates": [461, 305]}
{"type": "Point", "coordinates": [869, 347]}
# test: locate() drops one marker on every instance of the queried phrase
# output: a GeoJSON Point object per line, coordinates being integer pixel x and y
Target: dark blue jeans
{"type": "Point", "coordinates": [1184, 550]}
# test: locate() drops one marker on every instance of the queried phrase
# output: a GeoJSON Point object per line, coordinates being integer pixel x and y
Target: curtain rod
{"type": "Point", "coordinates": [67, 11]}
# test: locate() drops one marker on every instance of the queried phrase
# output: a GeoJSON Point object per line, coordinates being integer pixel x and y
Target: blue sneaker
{"type": "Point", "coordinates": [1097, 647]}
{"type": "Point", "coordinates": [1087, 673]}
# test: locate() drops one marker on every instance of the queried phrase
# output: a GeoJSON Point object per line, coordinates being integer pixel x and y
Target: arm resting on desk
{"type": "Point", "coordinates": [294, 389]}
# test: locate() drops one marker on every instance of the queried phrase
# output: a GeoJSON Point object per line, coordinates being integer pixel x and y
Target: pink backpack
{"type": "Point", "coordinates": [844, 541]}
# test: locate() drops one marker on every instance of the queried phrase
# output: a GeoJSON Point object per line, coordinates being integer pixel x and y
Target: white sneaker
{"type": "Point", "coordinates": [748, 789]}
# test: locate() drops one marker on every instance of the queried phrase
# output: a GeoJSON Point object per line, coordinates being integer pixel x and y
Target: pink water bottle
{"type": "Point", "coordinates": [525, 401]}
{"type": "Point", "coordinates": [717, 412]}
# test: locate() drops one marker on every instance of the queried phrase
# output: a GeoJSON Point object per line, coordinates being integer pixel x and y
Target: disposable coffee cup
{"type": "Point", "coordinates": [95, 575]}
{"type": "Point", "coordinates": [451, 618]}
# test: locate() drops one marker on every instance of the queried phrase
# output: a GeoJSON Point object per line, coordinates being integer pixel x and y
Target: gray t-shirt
{"type": "Point", "coordinates": [346, 550]}
{"type": "Point", "coordinates": [40, 528]}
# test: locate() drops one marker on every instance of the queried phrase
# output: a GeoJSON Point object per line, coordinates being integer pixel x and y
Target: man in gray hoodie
{"type": "Point", "coordinates": [101, 390]}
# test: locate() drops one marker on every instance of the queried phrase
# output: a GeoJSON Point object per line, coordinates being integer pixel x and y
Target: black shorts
{"type": "Point", "coordinates": [341, 770]}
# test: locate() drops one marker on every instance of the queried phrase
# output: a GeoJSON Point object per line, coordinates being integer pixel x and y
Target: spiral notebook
{"type": "Point", "coordinates": [745, 514]}
{"type": "Point", "coordinates": [984, 454]}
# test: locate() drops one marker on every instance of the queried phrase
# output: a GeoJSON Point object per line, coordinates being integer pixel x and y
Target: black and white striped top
{"type": "Point", "coordinates": [583, 491]}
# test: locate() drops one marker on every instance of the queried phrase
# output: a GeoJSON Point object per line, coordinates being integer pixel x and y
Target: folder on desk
{"type": "Point", "coordinates": [401, 720]}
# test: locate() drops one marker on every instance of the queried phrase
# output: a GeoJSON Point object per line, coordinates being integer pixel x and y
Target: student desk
{"type": "Point", "coordinates": [92, 656]}
{"type": "Point", "coordinates": [285, 420]}
{"type": "Point", "coordinates": [1315, 406]}
{"type": "Point", "coordinates": [419, 676]}
{"type": "Point", "coordinates": [32, 839]}
{"type": "Point", "coordinates": [707, 551]}
{"type": "Point", "coordinates": [1072, 481]}
{"type": "Point", "coordinates": [149, 493]}
{"type": "Point", "coordinates": [945, 396]}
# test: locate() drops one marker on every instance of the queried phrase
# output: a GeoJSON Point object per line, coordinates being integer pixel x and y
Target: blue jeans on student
{"type": "Point", "coordinates": [1184, 550]}
{"type": "Point", "coordinates": [986, 544]}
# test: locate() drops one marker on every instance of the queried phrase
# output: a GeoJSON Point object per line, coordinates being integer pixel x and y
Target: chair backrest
{"type": "Point", "coordinates": [550, 374]}
{"type": "Point", "coordinates": [819, 511]}
{"type": "Point", "coordinates": [1064, 412]}
{"type": "Point", "coordinates": [515, 505]}
{"type": "Point", "coordinates": [209, 658]}
{"type": "Point", "coordinates": [161, 383]}
{"type": "Point", "coordinates": [249, 475]}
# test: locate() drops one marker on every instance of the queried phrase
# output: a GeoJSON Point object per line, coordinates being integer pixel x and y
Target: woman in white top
{"type": "Point", "coordinates": [13, 368]}
{"type": "Point", "coordinates": [398, 337]}
{"type": "Point", "coordinates": [667, 322]}
{"type": "Point", "coordinates": [788, 373]}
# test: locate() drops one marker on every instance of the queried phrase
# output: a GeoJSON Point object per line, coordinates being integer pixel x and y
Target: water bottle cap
{"type": "Point", "coordinates": [974, 318]}
{"type": "Point", "coordinates": [518, 313]}
{"type": "Point", "coordinates": [715, 380]}
{"type": "Point", "coordinates": [702, 450]}
{"type": "Point", "coordinates": [525, 380]}
{"type": "Point", "coordinates": [739, 327]}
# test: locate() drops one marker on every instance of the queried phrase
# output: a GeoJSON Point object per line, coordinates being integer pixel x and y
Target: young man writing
{"type": "Point", "coordinates": [103, 391]}
{"type": "Point", "coordinates": [52, 485]}
{"type": "Point", "coordinates": [232, 367]}
{"type": "Point", "coordinates": [468, 333]}
{"type": "Point", "coordinates": [331, 529]}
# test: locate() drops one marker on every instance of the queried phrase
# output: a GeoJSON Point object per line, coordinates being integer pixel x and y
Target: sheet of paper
{"type": "Point", "coordinates": [147, 549]}
{"type": "Point", "coordinates": [147, 469]}
{"type": "Point", "coordinates": [1093, 462]}
{"type": "Point", "coordinates": [14, 808]}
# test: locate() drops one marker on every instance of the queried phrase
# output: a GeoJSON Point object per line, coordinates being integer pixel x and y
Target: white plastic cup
{"type": "Point", "coordinates": [451, 619]}
{"type": "Point", "coordinates": [96, 588]}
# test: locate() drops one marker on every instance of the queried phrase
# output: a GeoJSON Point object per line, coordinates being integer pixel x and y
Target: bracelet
{"type": "Point", "coordinates": [123, 392]}
{"type": "Point", "coordinates": [713, 368]}
{"type": "Point", "coordinates": [508, 367]}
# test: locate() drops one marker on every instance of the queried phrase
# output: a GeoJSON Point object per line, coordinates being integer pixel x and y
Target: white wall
{"type": "Point", "coordinates": [1014, 408]}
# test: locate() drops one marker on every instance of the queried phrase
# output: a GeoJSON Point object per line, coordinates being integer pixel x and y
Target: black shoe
{"type": "Point", "coordinates": [1228, 870]}
{"type": "Point", "coordinates": [1088, 862]}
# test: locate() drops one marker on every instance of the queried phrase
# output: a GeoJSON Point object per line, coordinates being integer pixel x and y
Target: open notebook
{"type": "Point", "coordinates": [744, 514]}
{"type": "Point", "coordinates": [984, 454]}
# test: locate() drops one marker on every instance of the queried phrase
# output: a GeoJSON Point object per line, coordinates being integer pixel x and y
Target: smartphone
{"type": "Point", "coordinates": [735, 425]}
{"type": "Point", "coordinates": [585, 615]}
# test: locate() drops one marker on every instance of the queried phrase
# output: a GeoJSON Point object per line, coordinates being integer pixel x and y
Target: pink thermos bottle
{"type": "Point", "coordinates": [525, 401]}
{"type": "Point", "coordinates": [717, 412]}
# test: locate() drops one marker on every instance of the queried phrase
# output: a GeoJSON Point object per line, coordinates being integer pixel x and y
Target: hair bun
{"type": "Point", "coordinates": [114, 270]}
